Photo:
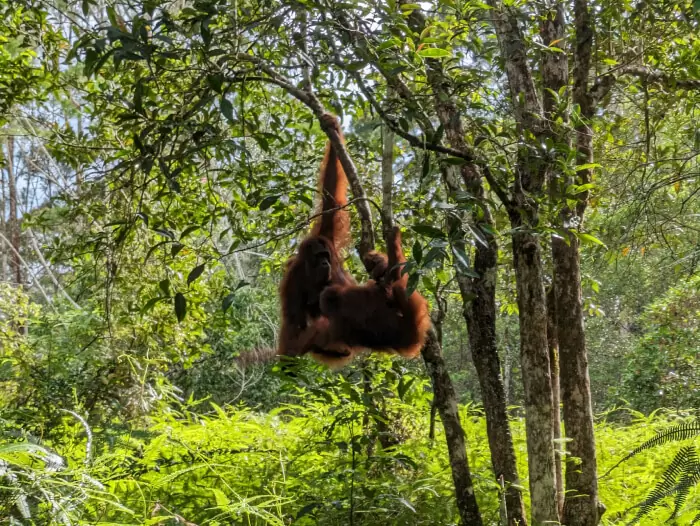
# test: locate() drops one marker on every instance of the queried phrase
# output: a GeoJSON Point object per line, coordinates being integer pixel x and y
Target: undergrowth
{"type": "Point", "coordinates": [311, 463]}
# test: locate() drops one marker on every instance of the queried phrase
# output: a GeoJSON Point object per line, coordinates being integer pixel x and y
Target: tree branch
{"type": "Point", "coordinates": [310, 99]}
{"type": "Point", "coordinates": [603, 84]}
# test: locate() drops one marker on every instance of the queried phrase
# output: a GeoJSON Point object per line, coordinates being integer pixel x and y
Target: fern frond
{"type": "Point", "coordinates": [685, 459]}
{"type": "Point", "coordinates": [676, 433]}
{"type": "Point", "coordinates": [647, 505]}
{"type": "Point", "coordinates": [695, 520]}
{"type": "Point", "coordinates": [687, 482]}
{"type": "Point", "coordinates": [678, 479]}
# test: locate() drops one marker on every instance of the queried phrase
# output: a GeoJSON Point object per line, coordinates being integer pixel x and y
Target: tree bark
{"type": "Point", "coordinates": [13, 223]}
{"type": "Point", "coordinates": [446, 403]}
{"type": "Point", "coordinates": [479, 310]}
{"type": "Point", "coordinates": [478, 294]}
{"type": "Point", "coordinates": [3, 228]}
{"type": "Point", "coordinates": [581, 505]}
{"type": "Point", "coordinates": [556, 394]}
{"type": "Point", "coordinates": [527, 254]}
{"type": "Point", "coordinates": [534, 357]}
{"type": "Point", "coordinates": [555, 80]}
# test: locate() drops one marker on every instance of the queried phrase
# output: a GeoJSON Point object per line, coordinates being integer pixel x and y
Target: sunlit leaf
{"type": "Point", "coordinates": [434, 52]}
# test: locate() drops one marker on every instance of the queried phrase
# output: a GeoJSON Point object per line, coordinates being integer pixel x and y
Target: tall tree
{"type": "Point", "coordinates": [524, 212]}
{"type": "Point", "coordinates": [13, 224]}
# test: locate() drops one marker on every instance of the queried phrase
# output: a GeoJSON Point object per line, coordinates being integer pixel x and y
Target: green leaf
{"type": "Point", "coordinates": [262, 142]}
{"type": "Point", "coordinates": [404, 386]}
{"type": "Point", "coordinates": [588, 238]}
{"type": "Point", "coordinates": [165, 286]}
{"type": "Point", "coordinates": [428, 231]}
{"type": "Point", "coordinates": [152, 249]}
{"type": "Point", "coordinates": [175, 249]}
{"type": "Point", "coordinates": [268, 202]}
{"type": "Point", "coordinates": [180, 306]}
{"type": "Point", "coordinates": [434, 52]}
{"type": "Point", "coordinates": [227, 109]}
{"type": "Point", "coordinates": [220, 498]}
{"type": "Point", "coordinates": [462, 261]}
{"type": "Point", "coordinates": [417, 252]}
{"type": "Point", "coordinates": [227, 301]}
{"type": "Point", "coordinates": [216, 82]}
{"type": "Point", "coordinates": [589, 166]}
{"type": "Point", "coordinates": [164, 232]}
{"type": "Point", "coordinates": [151, 303]}
{"type": "Point", "coordinates": [434, 258]}
{"type": "Point", "coordinates": [426, 165]}
{"type": "Point", "coordinates": [187, 231]}
{"type": "Point", "coordinates": [195, 273]}
{"type": "Point", "coordinates": [138, 96]}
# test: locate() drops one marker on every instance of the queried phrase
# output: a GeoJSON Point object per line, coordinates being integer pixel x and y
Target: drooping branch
{"type": "Point", "coordinates": [309, 98]}
{"type": "Point", "coordinates": [395, 83]}
{"type": "Point", "coordinates": [422, 143]}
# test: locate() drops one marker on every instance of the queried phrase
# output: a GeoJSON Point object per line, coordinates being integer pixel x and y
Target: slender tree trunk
{"type": "Point", "coordinates": [534, 357]}
{"type": "Point", "coordinates": [479, 294]}
{"type": "Point", "coordinates": [527, 254]}
{"type": "Point", "coordinates": [3, 229]}
{"type": "Point", "coordinates": [446, 402]}
{"type": "Point", "coordinates": [555, 80]}
{"type": "Point", "coordinates": [13, 223]}
{"type": "Point", "coordinates": [581, 505]}
{"type": "Point", "coordinates": [556, 394]}
{"type": "Point", "coordinates": [479, 309]}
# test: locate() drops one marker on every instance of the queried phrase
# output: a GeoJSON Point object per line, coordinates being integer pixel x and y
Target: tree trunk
{"type": "Point", "coordinates": [479, 310]}
{"type": "Point", "coordinates": [13, 223]}
{"type": "Point", "coordinates": [555, 80]}
{"type": "Point", "coordinates": [479, 294]}
{"type": "Point", "coordinates": [581, 505]}
{"type": "Point", "coordinates": [556, 394]}
{"type": "Point", "coordinates": [534, 357]}
{"type": "Point", "coordinates": [523, 211]}
{"type": "Point", "coordinates": [3, 229]}
{"type": "Point", "coordinates": [446, 402]}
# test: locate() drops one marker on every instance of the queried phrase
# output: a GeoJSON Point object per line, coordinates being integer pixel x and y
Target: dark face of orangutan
{"type": "Point", "coordinates": [319, 267]}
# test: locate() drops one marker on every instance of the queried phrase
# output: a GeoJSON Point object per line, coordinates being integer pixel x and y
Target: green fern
{"type": "Point", "coordinates": [678, 478]}
{"type": "Point", "coordinates": [676, 433]}
{"type": "Point", "coordinates": [681, 475]}
{"type": "Point", "coordinates": [687, 482]}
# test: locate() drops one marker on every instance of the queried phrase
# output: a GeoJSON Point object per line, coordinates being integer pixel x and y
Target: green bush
{"type": "Point", "coordinates": [662, 368]}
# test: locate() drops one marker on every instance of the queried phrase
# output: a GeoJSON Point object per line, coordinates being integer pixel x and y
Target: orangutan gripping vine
{"type": "Point", "coordinates": [316, 266]}
{"type": "Point", "coordinates": [323, 311]}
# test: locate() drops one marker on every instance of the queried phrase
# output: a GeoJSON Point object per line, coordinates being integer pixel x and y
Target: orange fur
{"type": "Point", "coordinates": [303, 329]}
{"type": "Point", "coordinates": [379, 315]}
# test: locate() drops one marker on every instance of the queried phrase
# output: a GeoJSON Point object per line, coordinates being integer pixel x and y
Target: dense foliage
{"type": "Point", "coordinates": [159, 164]}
